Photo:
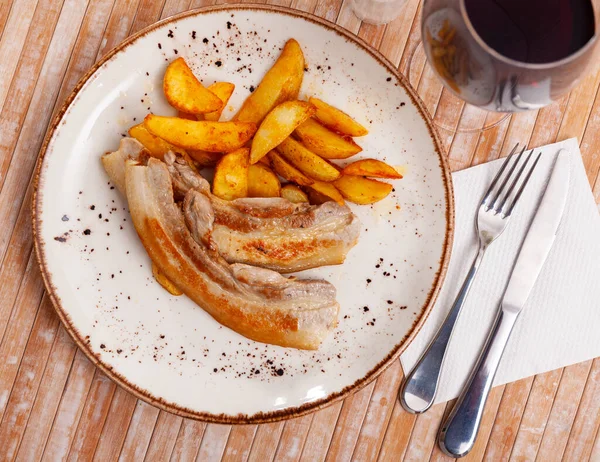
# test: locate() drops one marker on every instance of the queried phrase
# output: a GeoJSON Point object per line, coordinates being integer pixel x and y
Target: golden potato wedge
{"type": "Point", "coordinates": [287, 171]}
{"type": "Point", "coordinates": [306, 161]}
{"type": "Point", "coordinates": [156, 146]}
{"type": "Point", "coordinates": [362, 190]}
{"type": "Point", "coordinates": [337, 120]}
{"type": "Point", "coordinates": [324, 142]}
{"type": "Point", "coordinates": [293, 194]}
{"type": "Point", "coordinates": [223, 90]}
{"type": "Point", "coordinates": [277, 126]}
{"type": "Point", "coordinates": [371, 167]}
{"type": "Point", "coordinates": [185, 92]}
{"type": "Point", "coordinates": [200, 135]}
{"type": "Point", "coordinates": [231, 175]}
{"type": "Point", "coordinates": [205, 158]}
{"type": "Point", "coordinates": [262, 182]}
{"type": "Point", "coordinates": [280, 83]}
{"type": "Point", "coordinates": [320, 192]}
{"type": "Point", "coordinates": [163, 281]}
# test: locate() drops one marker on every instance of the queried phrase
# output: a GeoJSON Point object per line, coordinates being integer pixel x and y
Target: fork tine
{"type": "Point", "coordinates": [513, 184]}
{"type": "Point", "coordinates": [498, 175]}
{"type": "Point", "coordinates": [525, 181]}
{"type": "Point", "coordinates": [508, 176]}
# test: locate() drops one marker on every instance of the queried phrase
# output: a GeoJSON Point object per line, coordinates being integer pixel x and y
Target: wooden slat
{"type": "Point", "coordinates": [139, 432]}
{"type": "Point", "coordinates": [163, 437]}
{"type": "Point", "coordinates": [293, 438]}
{"type": "Point", "coordinates": [188, 440]}
{"type": "Point", "coordinates": [5, 8]}
{"type": "Point", "coordinates": [423, 436]}
{"type": "Point", "coordinates": [265, 442]}
{"type": "Point", "coordinates": [214, 442]}
{"type": "Point", "coordinates": [321, 431]}
{"type": "Point", "coordinates": [239, 443]}
{"type": "Point", "coordinates": [397, 434]}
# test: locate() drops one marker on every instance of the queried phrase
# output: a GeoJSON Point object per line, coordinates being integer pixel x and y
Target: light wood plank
{"type": "Point", "coordinates": [5, 8]}
{"type": "Point", "coordinates": [321, 431]}
{"type": "Point", "coordinates": [535, 416]}
{"type": "Point", "coordinates": [114, 433]}
{"type": "Point", "coordinates": [378, 414]}
{"type": "Point", "coordinates": [265, 442]}
{"type": "Point", "coordinates": [189, 440]}
{"type": "Point", "coordinates": [293, 438]}
{"type": "Point", "coordinates": [508, 418]}
{"type": "Point", "coordinates": [92, 418]}
{"type": "Point", "coordinates": [563, 411]}
{"type": "Point", "coordinates": [12, 42]}
{"type": "Point", "coordinates": [213, 442]}
{"type": "Point", "coordinates": [48, 397]}
{"type": "Point", "coordinates": [164, 437]}
{"type": "Point", "coordinates": [587, 421]}
{"type": "Point", "coordinates": [139, 432]}
{"type": "Point", "coordinates": [28, 379]}
{"type": "Point", "coordinates": [397, 435]}
{"type": "Point", "coordinates": [70, 409]}
{"type": "Point", "coordinates": [239, 443]}
{"type": "Point", "coordinates": [424, 433]}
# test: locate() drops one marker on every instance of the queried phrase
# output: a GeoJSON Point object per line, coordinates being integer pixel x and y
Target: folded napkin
{"type": "Point", "coordinates": [560, 324]}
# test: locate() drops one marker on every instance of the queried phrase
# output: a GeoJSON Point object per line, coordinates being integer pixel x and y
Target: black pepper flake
{"type": "Point", "coordinates": [402, 104]}
{"type": "Point", "coordinates": [204, 40]}
{"type": "Point", "coordinates": [60, 239]}
{"type": "Point", "coordinates": [368, 281]}
{"type": "Point", "coordinates": [279, 372]}
{"type": "Point", "coordinates": [390, 302]}
{"type": "Point", "coordinates": [65, 218]}
{"type": "Point", "coordinates": [103, 346]}
{"type": "Point", "coordinates": [215, 369]}
{"type": "Point", "coordinates": [389, 79]}
{"type": "Point", "coordinates": [159, 46]}
{"type": "Point", "coordinates": [365, 308]}
{"type": "Point", "coordinates": [251, 88]}
{"type": "Point", "coordinates": [87, 232]}
{"type": "Point", "coordinates": [93, 207]}
{"type": "Point", "coordinates": [218, 63]}
{"type": "Point", "coordinates": [175, 51]}
{"type": "Point", "coordinates": [194, 34]}
{"type": "Point", "coordinates": [228, 24]}
{"type": "Point", "coordinates": [170, 34]}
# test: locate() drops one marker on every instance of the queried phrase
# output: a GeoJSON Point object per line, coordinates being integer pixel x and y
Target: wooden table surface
{"type": "Point", "coordinates": [54, 404]}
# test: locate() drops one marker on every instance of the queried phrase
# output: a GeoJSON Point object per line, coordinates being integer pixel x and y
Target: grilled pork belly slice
{"type": "Point", "coordinates": [272, 232]}
{"type": "Point", "coordinates": [255, 302]}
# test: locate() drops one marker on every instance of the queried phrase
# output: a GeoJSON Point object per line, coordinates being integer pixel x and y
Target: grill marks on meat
{"type": "Point", "coordinates": [258, 303]}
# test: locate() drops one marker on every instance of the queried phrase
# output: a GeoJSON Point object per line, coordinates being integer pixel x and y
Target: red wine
{"type": "Point", "coordinates": [533, 31]}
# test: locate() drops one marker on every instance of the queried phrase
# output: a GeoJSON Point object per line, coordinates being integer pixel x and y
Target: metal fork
{"type": "Point", "coordinates": [419, 388]}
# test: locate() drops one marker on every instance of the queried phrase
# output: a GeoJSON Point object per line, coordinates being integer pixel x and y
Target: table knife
{"type": "Point", "coordinates": [458, 432]}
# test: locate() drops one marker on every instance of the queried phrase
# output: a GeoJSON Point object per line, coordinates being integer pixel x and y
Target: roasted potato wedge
{"type": "Point", "coordinates": [293, 194]}
{"type": "Point", "coordinates": [362, 190]}
{"type": "Point", "coordinates": [287, 171]}
{"type": "Point", "coordinates": [306, 161]}
{"type": "Point", "coordinates": [262, 182]}
{"type": "Point", "coordinates": [200, 135]}
{"type": "Point", "coordinates": [320, 192]}
{"type": "Point", "coordinates": [373, 168]}
{"type": "Point", "coordinates": [223, 90]}
{"type": "Point", "coordinates": [156, 146]}
{"type": "Point", "coordinates": [185, 92]}
{"type": "Point", "coordinates": [324, 142]}
{"type": "Point", "coordinates": [337, 120]}
{"type": "Point", "coordinates": [185, 115]}
{"type": "Point", "coordinates": [280, 83]}
{"type": "Point", "coordinates": [163, 281]}
{"type": "Point", "coordinates": [231, 175]}
{"type": "Point", "coordinates": [277, 126]}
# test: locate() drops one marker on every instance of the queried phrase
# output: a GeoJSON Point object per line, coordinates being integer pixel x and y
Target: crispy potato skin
{"type": "Point", "coordinates": [185, 92]}
{"type": "Point", "coordinates": [277, 126]}
{"type": "Point", "coordinates": [362, 190]}
{"type": "Point", "coordinates": [306, 161]}
{"type": "Point", "coordinates": [288, 171]}
{"type": "Point", "coordinates": [223, 90]}
{"type": "Point", "coordinates": [293, 194]}
{"type": "Point", "coordinates": [281, 83]}
{"type": "Point", "coordinates": [324, 142]}
{"type": "Point", "coordinates": [337, 120]}
{"type": "Point", "coordinates": [372, 168]}
{"type": "Point", "coordinates": [262, 182]}
{"type": "Point", "coordinates": [320, 192]}
{"type": "Point", "coordinates": [200, 135]}
{"type": "Point", "coordinates": [231, 175]}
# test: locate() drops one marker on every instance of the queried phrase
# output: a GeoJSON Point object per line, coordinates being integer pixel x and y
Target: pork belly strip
{"type": "Point", "coordinates": [268, 232]}
{"type": "Point", "coordinates": [273, 232]}
{"type": "Point", "coordinates": [255, 302]}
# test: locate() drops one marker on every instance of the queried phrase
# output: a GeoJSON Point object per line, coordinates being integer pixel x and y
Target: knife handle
{"type": "Point", "coordinates": [420, 386]}
{"type": "Point", "coordinates": [459, 431]}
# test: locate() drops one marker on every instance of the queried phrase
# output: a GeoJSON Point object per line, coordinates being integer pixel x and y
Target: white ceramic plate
{"type": "Point", "coordinates": [166, 349]}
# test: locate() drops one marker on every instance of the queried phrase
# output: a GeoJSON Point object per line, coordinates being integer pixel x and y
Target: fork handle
{"type": "Point", "coordinates": [459, 431]}
{"type": "Point", "coordinates": [420, 386]}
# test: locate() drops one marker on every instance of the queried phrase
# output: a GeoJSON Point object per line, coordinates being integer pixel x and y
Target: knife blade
{"type": "Point", "coordinates": [540, 236]}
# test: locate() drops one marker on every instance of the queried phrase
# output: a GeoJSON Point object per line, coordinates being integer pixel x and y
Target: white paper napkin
{"type": "Point", "coordinates": [560, 324]}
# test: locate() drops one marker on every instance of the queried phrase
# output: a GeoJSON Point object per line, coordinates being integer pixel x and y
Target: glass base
{"type": "Point", "coordinates": [449, 112]}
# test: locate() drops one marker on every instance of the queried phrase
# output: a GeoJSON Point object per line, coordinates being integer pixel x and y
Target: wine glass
{"type": "Point", "coordinates": [504, 56]}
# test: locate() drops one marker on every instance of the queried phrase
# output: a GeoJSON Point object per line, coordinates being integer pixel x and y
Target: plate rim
{"type": "Point", "coordinates": [281, 414]}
